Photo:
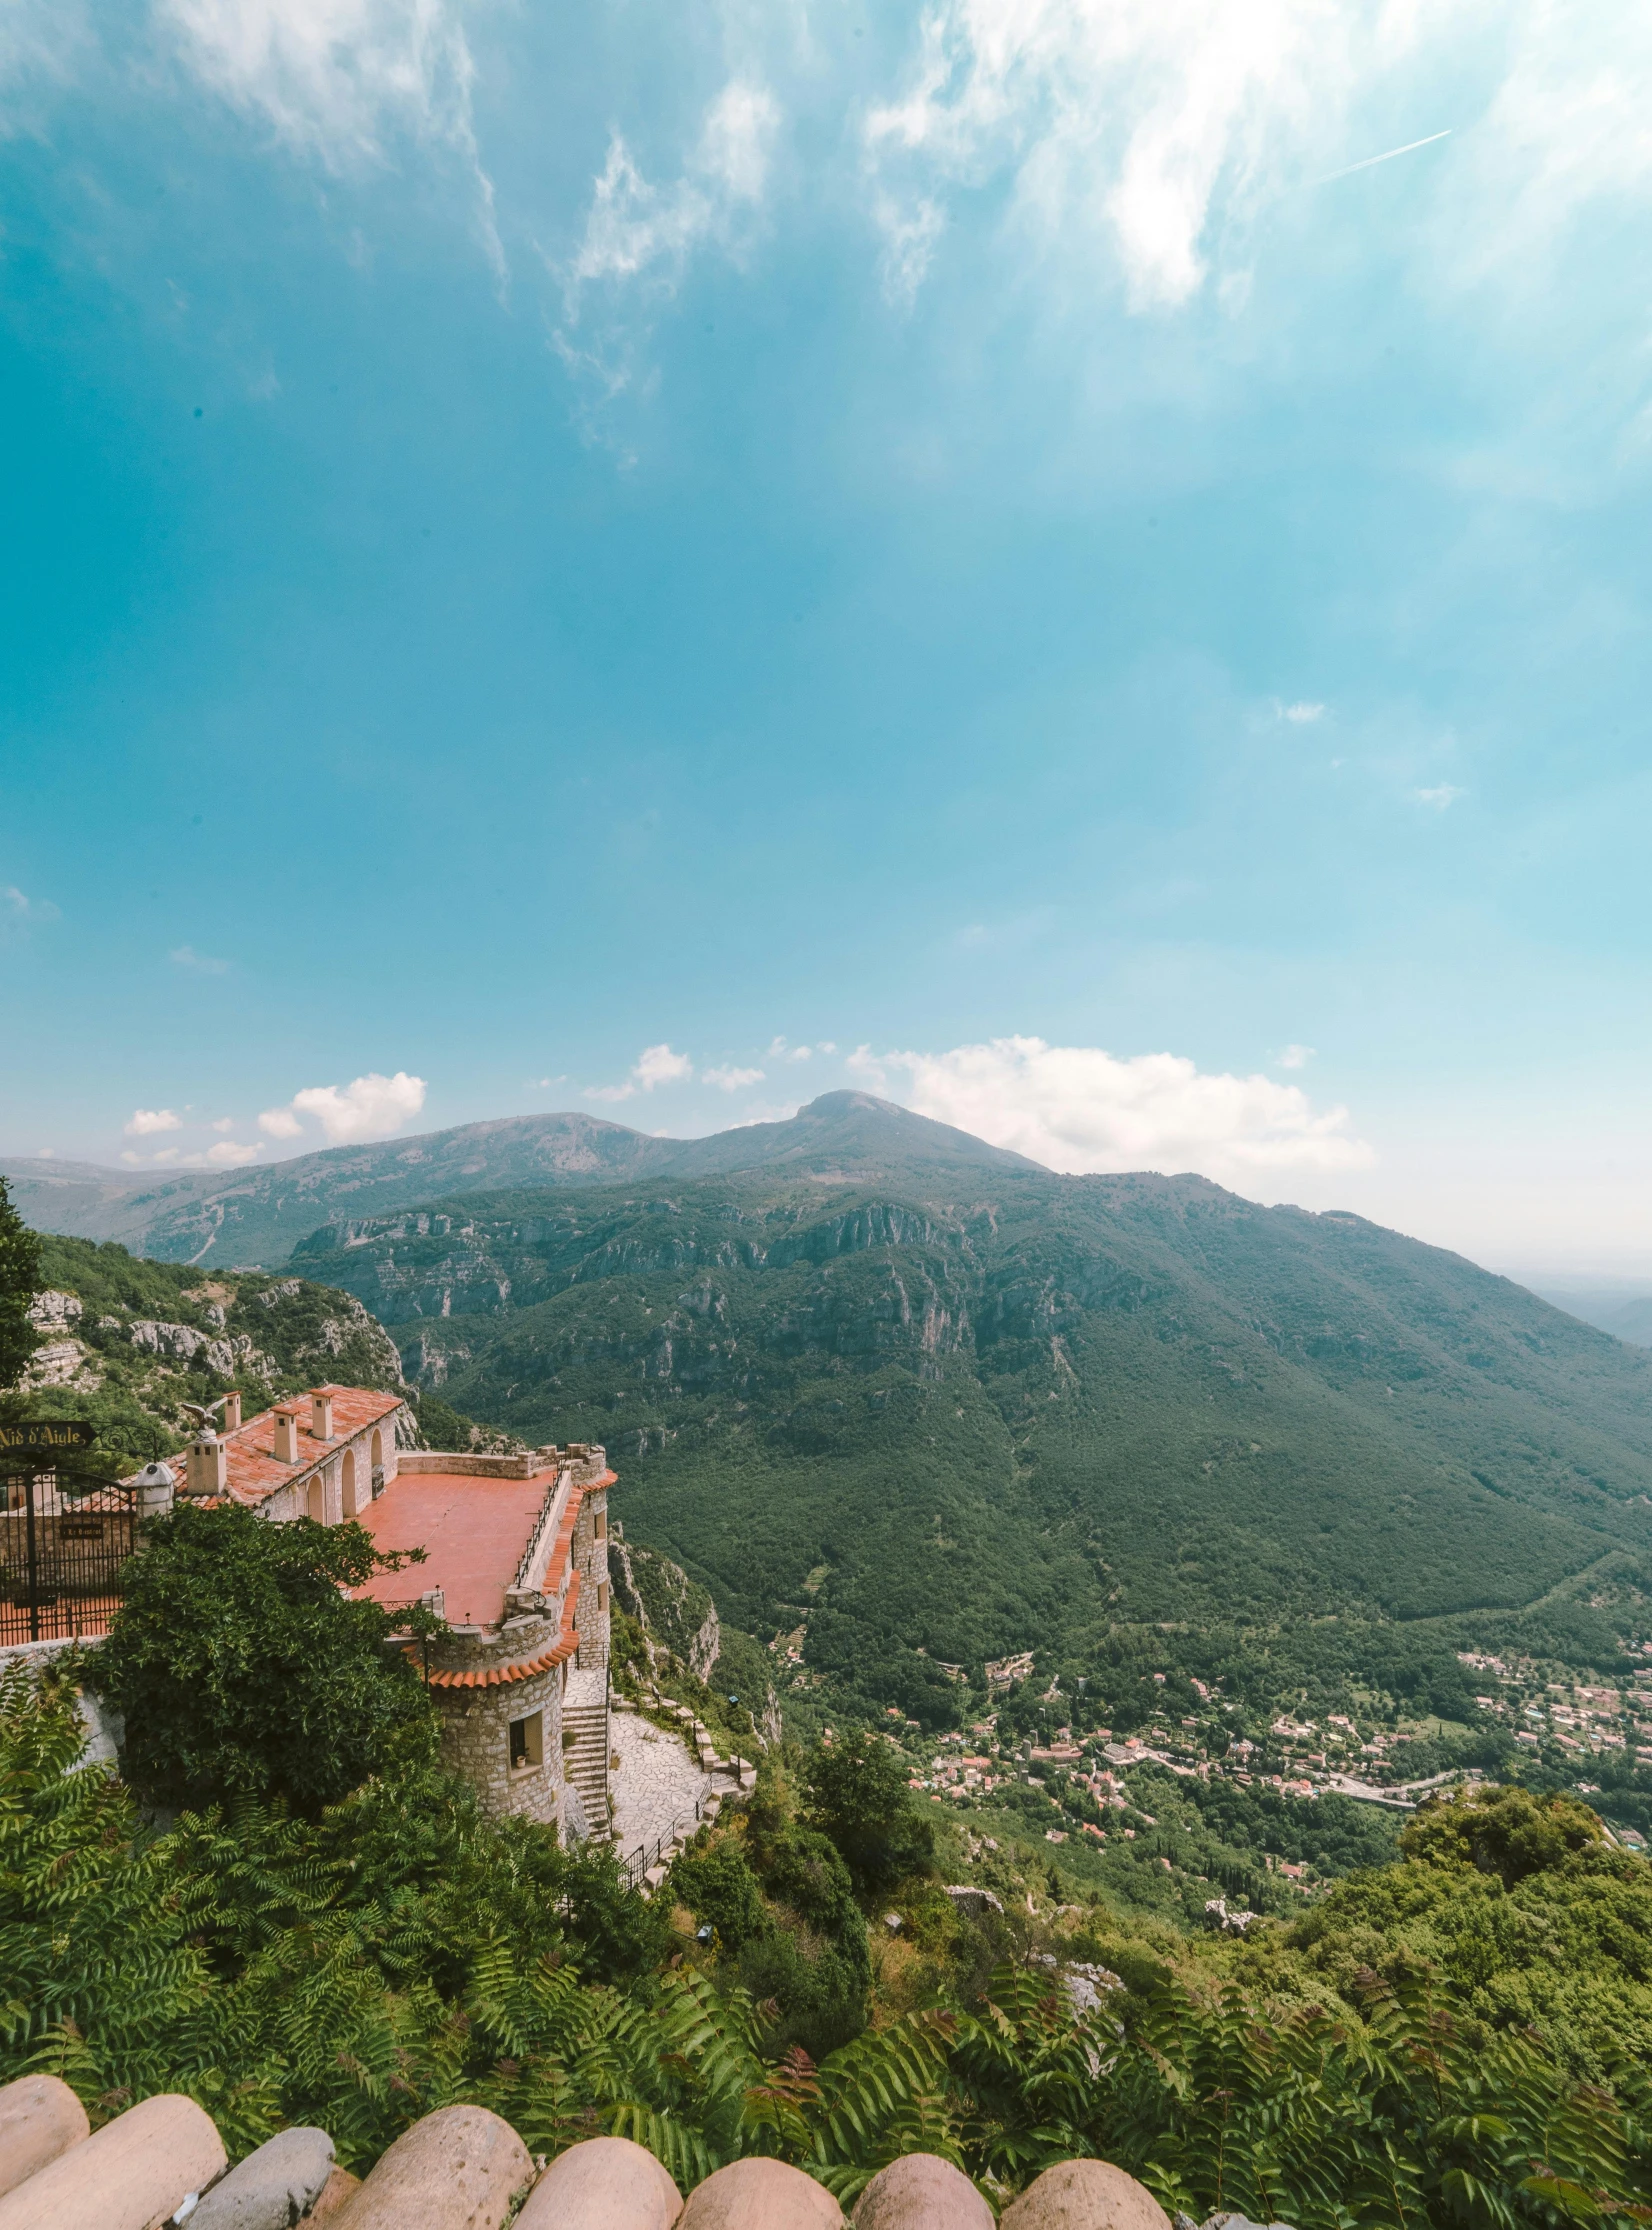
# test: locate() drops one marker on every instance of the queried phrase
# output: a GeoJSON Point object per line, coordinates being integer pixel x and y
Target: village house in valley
{"type": "Point", "coordinates": [516, 1562]}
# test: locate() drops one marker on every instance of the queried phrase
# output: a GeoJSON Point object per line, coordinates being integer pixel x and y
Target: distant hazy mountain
{"type": "Point", "coordinates": [256, 1217]}
{"type": "Point", "coordinates": [1627, 1316]}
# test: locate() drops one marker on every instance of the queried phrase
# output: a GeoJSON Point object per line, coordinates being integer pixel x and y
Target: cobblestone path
{"type": "Point", "coordinates": [656, 1783]}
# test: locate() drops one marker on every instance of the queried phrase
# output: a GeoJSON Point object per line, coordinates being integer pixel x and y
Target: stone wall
{"type": "Point", "coordinates": [476, 1718]}
{"type": "Point", "coordinates": [589, 1556]}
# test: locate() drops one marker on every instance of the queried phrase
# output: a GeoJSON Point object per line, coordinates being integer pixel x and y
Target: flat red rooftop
{"type": "Point", "coordinates": [474, 1531]}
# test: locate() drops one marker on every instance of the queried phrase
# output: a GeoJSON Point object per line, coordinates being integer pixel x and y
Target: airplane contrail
{"type": "Point", "coordinates": [1409, 148]}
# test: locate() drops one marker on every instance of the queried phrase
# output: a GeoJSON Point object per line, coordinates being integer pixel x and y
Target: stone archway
{"type": "Point", "coordinates": [316, 1499]}
{"type": "Point", "coordinates": [352, 1499]}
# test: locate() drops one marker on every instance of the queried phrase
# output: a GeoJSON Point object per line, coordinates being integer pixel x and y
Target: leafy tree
{"type": "Point", "coordinates": [720, 1889]}
{"type": "Point", "coordinates": [19, 1283]}
{"type": "Point", "coordinates": [1508, 1832]}
{"type": "Point", "coordinates": [859, 1799]}
{"type": "Point", "coordinates": [243, 1670]}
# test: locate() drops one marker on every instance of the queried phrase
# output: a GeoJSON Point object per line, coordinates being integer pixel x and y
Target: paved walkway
{"type": "Point", "coordinates": [656, 1783]}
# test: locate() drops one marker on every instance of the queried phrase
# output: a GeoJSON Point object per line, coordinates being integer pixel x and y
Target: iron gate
{"type": "Point", "coordinates": [64, 1535]}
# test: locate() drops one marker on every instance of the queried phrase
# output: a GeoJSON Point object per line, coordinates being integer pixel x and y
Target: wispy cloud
{"type": "Point", "coordinates": [16, 906]}
{"type": "Point", "coordinates": [1440, 796]}
{"type": "Point", "coordinates": [144, 1122]}
{"type": "Point", "coordinates": [1115, 121]}
{"type": "Point", "coordinates": [1296, 1056]}
{"type": "Point", "coordinates": [341, 80]}
{"type": "Point", "coordinates": [1301, 714]}
{"type": "Point", "coordinates": [732, 1079]}
{"type": "Point", "coordinates": [227, 1154]}
{"type": "Point", "coordinates": [198, 963]}
{"type": "Point", "coordinates": [638, 235]}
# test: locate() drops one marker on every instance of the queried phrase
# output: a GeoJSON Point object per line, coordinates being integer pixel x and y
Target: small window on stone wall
{"type": "Point", "coordinates": [528, 1741]}
{"type": "Point", "coordinates": [602, 1595]}
{"type": "Point", "coordinates": [602, 1525]}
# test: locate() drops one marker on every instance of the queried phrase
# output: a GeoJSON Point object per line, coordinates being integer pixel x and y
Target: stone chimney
{"type": "Point", "coordinates": [286, 1433]}
{"type": "Point", "coordinates": [207, 1466]}
{"type": "Point", "coordinates": [232, 1413]}
{"type": "Point", "coordinates": [321, 1416]}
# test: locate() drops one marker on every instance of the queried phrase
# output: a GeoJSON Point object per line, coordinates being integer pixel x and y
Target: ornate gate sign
{"type": "Point", "coordinates": [66, 1528]}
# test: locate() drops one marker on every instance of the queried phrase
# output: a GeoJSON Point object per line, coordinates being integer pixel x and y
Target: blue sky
{"type": "Point", "coordinates": [559, 557]}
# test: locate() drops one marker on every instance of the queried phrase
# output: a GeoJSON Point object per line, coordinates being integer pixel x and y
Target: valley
{"type": "Point", "coordinates": [908, 1410]}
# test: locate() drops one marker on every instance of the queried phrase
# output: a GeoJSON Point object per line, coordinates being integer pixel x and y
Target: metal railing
{"type": "Point", "coordinates": [635, 1865]}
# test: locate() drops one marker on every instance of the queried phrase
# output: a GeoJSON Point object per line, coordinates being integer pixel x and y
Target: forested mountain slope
{"type": "Point", "coordinates": [256, 1216]}
{"type": "Point", "coordinates": [984, 1408]}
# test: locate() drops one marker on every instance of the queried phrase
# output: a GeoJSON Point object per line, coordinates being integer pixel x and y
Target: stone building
{"type": "Point", "coordinates": [516, 1562]}
{"type": "Point", "coordinates": [323, 1456]}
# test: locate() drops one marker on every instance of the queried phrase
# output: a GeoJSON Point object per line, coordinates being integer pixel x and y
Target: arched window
{"type": "Point", "coordinates": [317, 1499]}
{"type": "Point", "coordinates": [378, 1460]}
{"type": "Point", "coordinates": [351, 1504]}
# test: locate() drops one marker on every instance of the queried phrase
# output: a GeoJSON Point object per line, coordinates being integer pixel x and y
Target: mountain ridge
{"type": "Point", "coordinates": [254, 1217]}
{"type": "Point", "coordinates": [937, 1424]}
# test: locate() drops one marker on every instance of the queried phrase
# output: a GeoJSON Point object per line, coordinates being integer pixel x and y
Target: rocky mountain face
{"type": "Point", "coordinates": [125, 1342]}
{"type": "Point", "coordinates": [983, 1409]}
{"type": "Point", "coordinates": [257, 1216]}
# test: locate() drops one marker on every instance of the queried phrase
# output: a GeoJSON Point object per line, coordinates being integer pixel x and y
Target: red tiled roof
{"type": "Point", "coordinates": [502, 1676]}
{"type": "Point", "coordinates": [254, 1474]}
{"type": "Point", "coordinates": [473, 1531]}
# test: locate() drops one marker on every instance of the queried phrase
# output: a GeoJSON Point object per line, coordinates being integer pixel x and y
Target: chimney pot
{"type": "Point", "coordinates": [232, 1412]}
{"type": "Point", "coordinates": [286, 1435]}
{"type": "Point", "coordinates": [321, 1416]}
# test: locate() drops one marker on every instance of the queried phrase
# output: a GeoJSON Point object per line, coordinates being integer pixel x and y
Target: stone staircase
{"type": "Point", "coordinates": [585, 1717]}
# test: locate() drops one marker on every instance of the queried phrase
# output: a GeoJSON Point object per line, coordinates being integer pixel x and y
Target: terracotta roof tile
{"type": "Point", "coordinates": [254, 1474]}
{"type": "Point", "coordinates": [504, 1676]}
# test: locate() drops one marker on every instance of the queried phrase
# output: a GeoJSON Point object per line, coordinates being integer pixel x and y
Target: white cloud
{"type": "Point", "coordinates": [1442, 795]}
{"type": "Point", "coordinates": [144, 1122]}
{"type": "Point", "coordinates": [228, 1155]}
{"type": "Point", "coordinates": [1150, 136]}
{"type": "Point", "coordinates": [373, 1106]}
{"type": "Point", "coordinates": [339, 79]}
{"type": "Point", "coordinates": [1115, 119]}
{"type": "Point", "coordinates": [187, 957]}
{"type": "Point", "coordinates": [1078, 1108]}
{"type": "Point", "coordinates": [1301, 714]}
{"type": "Point", "coordinates": [659, 1065]}
{"type": "Point", "coordinates": [733, 1079]}
{"type": "Point", "coordinates": [134, 1160]}
{"type": "Point", "coordinates": [224, 1122]}
{"type": "Point", "coordinates": [656, 1065]}
{"type": "Point", "coordinates": [1296, 1056]}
